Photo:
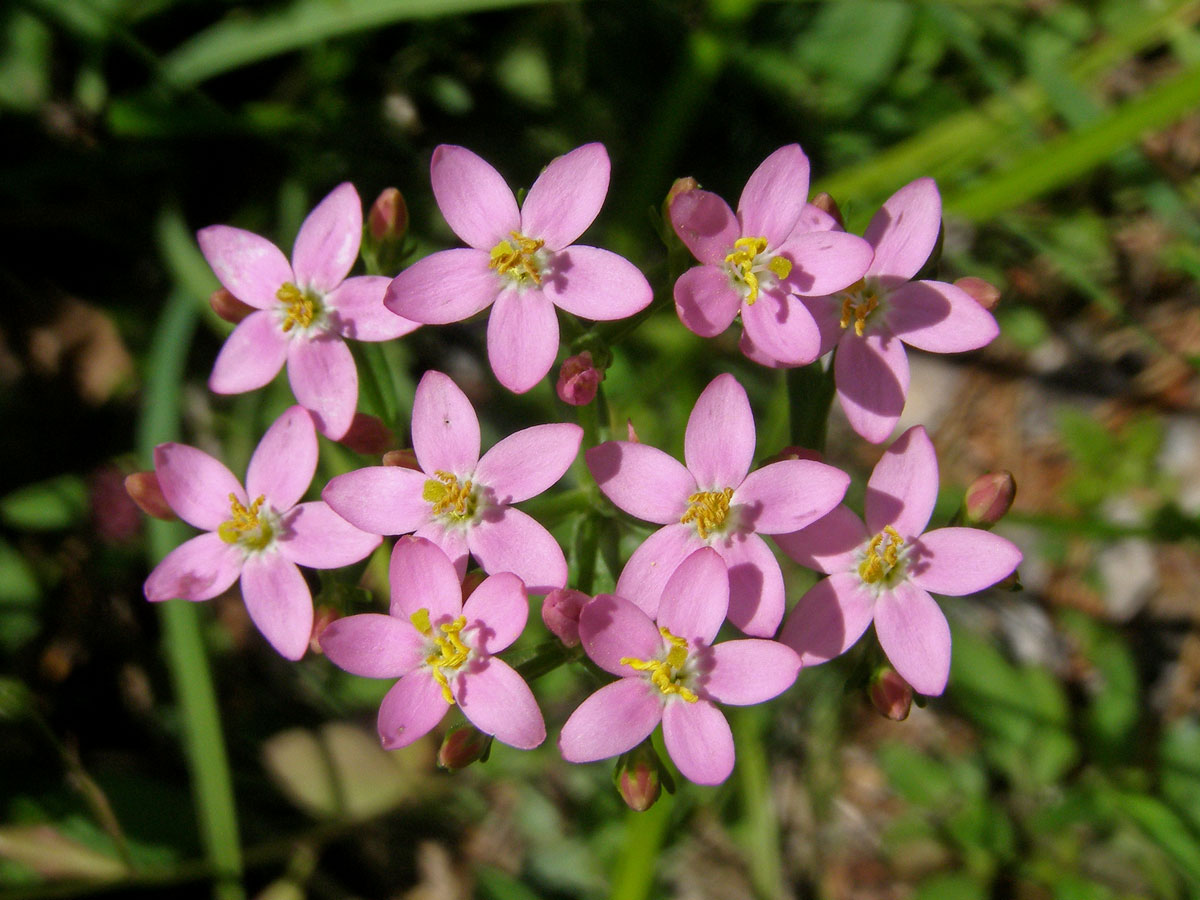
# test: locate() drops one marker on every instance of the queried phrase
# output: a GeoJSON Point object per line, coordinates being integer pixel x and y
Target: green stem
{"type": "Point", "coordinates": [760, 835]}
{"type": "Point", "coordinates": [810, 394]}
{"type": "Point", "coordinates": [645, 833]}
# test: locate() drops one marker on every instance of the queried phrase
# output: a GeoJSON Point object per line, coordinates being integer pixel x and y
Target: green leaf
{"type": "Point", "coordinates": [46, 506]}
{"type": "Point", "coordinates": [1165, 828]}
{"type": "Point", "coordinates": [951, 887]}
{"type": "Point", "coordinates": [1114, 708]}
{"type": "Point", "coordinates": [1179, 755]}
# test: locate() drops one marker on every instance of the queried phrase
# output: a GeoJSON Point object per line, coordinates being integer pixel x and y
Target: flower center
{"type": "Point", "coordinates": [451, 652]}
{"type": "Point", "coordinates": [665, 673]}
{"type": "Point", "coordinates": [882, 561]}
{"type": "Point", "coordinates": [300, 308]}
{"type": "Point", "coordinates": [858, 302]}
{"type": "Point", "coordinates": [708, 509]}
{"type": "Point", "coordinates": [251, 526]}
{"type": "Point", "coordinates": [522, 259]}
{"type": "Point", "coordinates": [751, 269]}
{"type": "Point", "coordinates": [450, 498]}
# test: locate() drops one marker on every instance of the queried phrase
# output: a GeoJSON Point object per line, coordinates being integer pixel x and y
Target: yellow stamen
{"type": "Point", "coordinates": [518, 258]}
{"type": "Point", "coordinates": [451, 652]}
{"type": "Point", "coordinates": [245, 525]}
{"type": "Point", "coordinates": [302, 308]}
{"type": "Point", "coordinates": [708, 509]}
{"type": "Point", "coordinates": [665, 671]}
{"type": "Point", "coordinates": [449, 497]}
{"type": "Point", "coordinates": [858, 302]}
{"type": "Point", "coordinates": [883, 553]}
{"type": "Point", "coordinates": [741, 263]}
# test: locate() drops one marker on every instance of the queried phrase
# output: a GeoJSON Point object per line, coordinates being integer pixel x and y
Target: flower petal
{"type": "Point", "coordinates": [872, 381]}
{"type": "Point", "coordinates": [198, 569]}
{"type": "Point", "coordinates": [319, 538]}
{"type": "Point", "coordinates": [422, 577]}
{"type": "Point", "coordinates": [705, 224]}
{"type": "Point", "coordinates": [825, 262]}
{"type": "Point", "coordinates": [612, 628]}
{"type": "Point", "coordinates": [379, 499]}
{"type": "Point", "coordinates": [252, 355]}
{"type": "Point", "coordinates": [642, 480]}
{"type": "Point", "coordinates": [938, 317]}
{"type": "Point", "coordinates": [528, 462]}
{"type": "Point", "coordinates": [904, 231]}
{"type": "Point", "coordinates": [705, 300]}
{"type": "Point", "coordinates": [566, 198]}
{"type": "Point", "coordinates": [960, 561]}
{"type": "Point", "coordinates": [507, 540]}
{"type": "Point", "coordinates": [477, 204]}
{"type": "Point", "coordinates": [451, 540]}
{"type": "Point", "coordinates": [699, 741]}
{"type": "Point", "coordinates": [497, 701]}
{"type": "Point", "coordinates": [652, 563]}
{"type": "Point", "coordinates": [782, 328]}
{"type": "Point", "coordinates": [374, 646]}
{"type": "Point", "coordinates": [326, 246]}
{"type": "Point", "coordinates": [695, 600]}
{"type": "Point", "coordinates": [360, 313]}
{"type": "Point", "coordinates": [596, 284]}
{"type": "Point", "coordinates": [751, 671]}
{"type": "Point", "coordinates": [718, 445]}
{"type": "Point", "coordinates": [813, 218]}
{"type": "Point", "coordinates": [614, 719]}
{"type": "Point", "coordinates": [522, 338]}
{"type": "Point", "coordinates": [775, 195]}
{"type": "Point", "coordinates": [248, 266]}
{"type": "Point", "coordinates": [829, 618]}
{"type": "Point", "coordinates": [195, 485]}
{"type": "Point", "coordinates": [444, 287]}
{"type": "Point", "coordinates": [756, 601]}
{"type": "Point", "coordinates": [279, 602]}
{"type": "Point", "coordinates": [788, 495]}
{"type": "Point", "coordinates": [915, 636]}
{"type": "Point", "coordinates": [410, 710]}
{"type": "Point", "coordinates": [323, 378]}
{"type": "Point", "coordinates": [903, 485]}
{"type": "Point", "coordinates": [500, 607]}
{"type": "Point", "coordinates": [285, 460]}
{"type": "Point", "coordinates": [827, 315]}
{"type": "Point", "coordinates": [445, 429]}
{"type": "Point", "coordinates": [829, 544]}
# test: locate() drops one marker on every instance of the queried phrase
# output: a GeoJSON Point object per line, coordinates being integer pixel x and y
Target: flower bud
{"type": "Point", "coordinates": [463, 746]}
{"type": "Point", "coordinates": [988, 498]}
{"type": "Point", "coordinates": [402, 459]}
{"type": "Point", "coordinates": [560, 612]}
{"type": "Point", "coordinates": [368, 435]}
{"type": "Point", "coordinates": [578, 380]}
{"type": "Point", "coordinates": [229, 307]}
{"type": "Point", "coordinates": [985, 294]}
{"type": "Point", "coordinates": [639, 777]}
{"type": "Point", "coordinates": [827, 204]}
{"type": "Point", "coordinates": [795, 452]}
{"type": "Point", "coordinates": [323, 617]}
{"type": "Point", "coordinates": [680, 186]}
{"type": "Point", "coordinates": [144, 489]}
{"type": "Point", "coordinates": [890, 694]}
{"type": "Point", "coordinates": [630, 434]}
{"type": "Point", "coordinates": [388, 218]}
{"type": "Point", "coordinates": [115, 517]}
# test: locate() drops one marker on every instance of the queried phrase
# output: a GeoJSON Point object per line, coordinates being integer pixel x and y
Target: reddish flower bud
{"type": "Point", "coordinates": [229, 307]}
{"type": "Point", "coordinates": [560, 612]}
{"type": "Point", "coordinates": [890, 694]}
{"type": "Point", "coordinates": [827, 204]}
{"type": "Point", "coordinates": [463, 746]}
{"type": "Point", "coordinates": [989, 498]}
{"type": "Point", "coordinates": [630, 434]}
{"type": "Point", "coordinates": [985, 294]}
{"type": "Point", "coordinates": [402, 459]}
{"type": "Point", "coordinates": [368, 435]}
{"type": "Point", "coordinates": [795, 452]}
{"type": "Point", "coordinates": [144, 489]}
{"type": "Point", "coordinates": [114, 514]}
{"type": "Point", "coordinates": [323, 617]}
{"type": "Point", "coordinates": [638, 777]}
{"type": "Point", "coordinates": [578, 380]}
{"type": "Point", "coordinates": [388, 218]}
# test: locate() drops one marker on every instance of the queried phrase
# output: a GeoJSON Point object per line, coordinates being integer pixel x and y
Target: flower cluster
{"type": "Point", "coordinates": [801, 288]}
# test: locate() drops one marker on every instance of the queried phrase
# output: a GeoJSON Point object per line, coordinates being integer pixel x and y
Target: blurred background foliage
{"type": "Point", "coordinates": [1064, 760]}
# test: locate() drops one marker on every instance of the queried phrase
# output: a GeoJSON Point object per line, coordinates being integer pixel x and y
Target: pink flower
{"type": "Point", "coordinates": [442, 650]}
{"type": "Point", "coordinates": [714, 502]}
{"type": "Point", "coordinates": [259, 533]}
{"type": "Point", "coordinates": [672, 673]}
{"type": "Point", "coordinates": [303, 310]}
{"type": "Point", "coordinates": [523, 260]}
{"type": "Point", "coordinates": [460, 501]}
{"type": "Point", "coordinates": [884, 570]}
{"type": "Point", "coordinates": [755, 263]}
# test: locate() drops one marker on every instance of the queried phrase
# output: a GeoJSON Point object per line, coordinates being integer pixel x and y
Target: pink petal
{"type": "Point", "coordinates": [410, 710]}
{"type": "Point", "coordinates": [444, 287]}
{"type": "Point", "coordinates": [524, 464]}
{"type": "Point", "coordinates": [198, 569]}
{"type": "Point", "coordinates": [285, 460]}
{"type": "Point", "coordinates": [903, 486]}
{"type": "Point", "coordinates": [507, 540]}
{"type": "Point", "coordinates": [753, 353]}
{"type": "Point", "coordinates": [828, 545]}
{"type": "Point", "coordinates": [477, 204]}
{"type": "Point", "coordinates": [596, 284]}
{"type": "Point", "coordinates": [813, 218]}
{"type": "Point", "coordinates": [566, 198]}
{"type": "Point", "coordinates": [825, 262]}
{"type": "Point", "coordinates": [642, 480]}
{"type": "Point", "coordinates": [960, 561]}
{"type": "Point", "coordinates": [699, 741]}
{"type": "Point", "coordinates": [652, 563]}
{"type": "Point", "coordinates": [374, 646]}
{"type": "Point", "coordinates": [775, 195]}
{"type": "Point", "coordinates": [718, 445]}
{"type": "Point", "coordinates": [905, 231]}
{"type": "Point", "coordinates": [705, 224]}
{"type": "Point", "coordinates": [612, 628]}
{"type": "Point", "coordinates": [451, 540]}
{"type": "Point", "coordinates": [522, 338]}
{"type": "Point", "coordinates": [279, 603]}
{"type": "Point", "coordinates": [380, 499]}
{"type": "Point", "coordinates": [327, 245]}
{"type": "Point", "coordinates": [616, 718]}
{"type": "Point", "coordinates": [500, 606]}
{"type": "Point", "coordinates": [360, 313]}
{"type": "Point", "coordinates": [252, 355]}
{"type": "Point", "coordinates": [325, 382]}
{"type": "Point", "coordinates": [248, 266]}
{"type": "Point", "coordinates": [829, 618]}
{"type": "Point", "coordinates": [788, 495]}
{"type": "Point", "coordinates": [827, 315]}
{"type": "Point", "coordinates": [497, 701]}
{"type": "Point", "coordinates": [422, 577]}
{"type": "Point", "coordinates": [756, 601]}
{"type": "Point", "coordinates": [782, 328]}
{"type": "Point", "coordinates": [915, 636]}
{"type": "Point", "coordinates": [751, 671]}
{"type": "Point", "coordinates": [195, 485]}
{"type": "Point", "coordinates": [321, 539]}
{"type": "Point", "coordinates": [705, 300]}
{"type": "Point", "coordinates": [445, 429]}
{"type": "Point", "coordinates": [872, 382]}
{"type": "Point", "coordinates": [696, 598]}
{"type": "Point", "coordinates": [938, 317]}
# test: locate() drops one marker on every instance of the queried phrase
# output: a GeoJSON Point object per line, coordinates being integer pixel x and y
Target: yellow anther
{"type": "Point", "coordinates": [663, 672]}
{"type": "Point", "coordinates": [781, 266]}
{"type": "Point", "coordinates": [420, 620]}
{"type": "Point", "coordinates": [518, 258]}
{"type": "Point", "coordinates": [301, 308]}
{"type": "Point", "coordinates": [708, 509]}
{"type": "Point", "coordinates": [448, 496]}
{"type": "Point", "coordinates": [246, 526]}
{"type": "Point", "coordinates": [741, 263]}
{"type": "Point", "coordinates": [858, 302]}
{"type": "Point", "coordinates": [451, 651]}
{"type": "Point", "coordinates": [883, 554]}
